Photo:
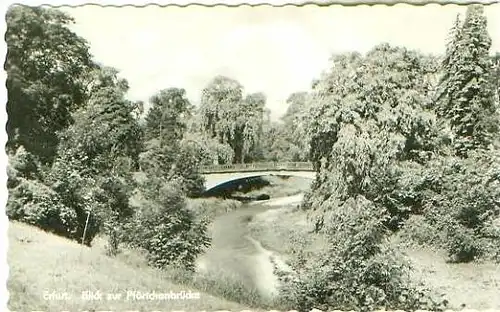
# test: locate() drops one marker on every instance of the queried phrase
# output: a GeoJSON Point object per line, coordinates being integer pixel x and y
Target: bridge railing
{"type": "Point", "coordinates": [260, 166]}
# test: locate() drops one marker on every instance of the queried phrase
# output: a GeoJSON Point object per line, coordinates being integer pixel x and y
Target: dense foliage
{"type": "Point", "coordinates": [358, 270]}
{"type": "Point", "coordinates": [168, 153]}
{"type": "Point", "coordinates": [369, 116]}
{"type": "Point", "coordinates": [231, 118]}
{"type": "Point", "coordinates": [45, 65]}
{"type": "Point", "coordinates": [394, 135]}
{"type": "Point", "coordinates": [467, 98]}
{"type": "Point", "coordinates": [165, 227]}
{"type": "Point", "coordinates": [75, 139]}
{"type": "Point", "coordinates": [461, 202]}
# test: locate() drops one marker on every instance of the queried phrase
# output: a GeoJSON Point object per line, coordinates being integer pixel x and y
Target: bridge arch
{"type": "Point", "coordinates": [218, 175]}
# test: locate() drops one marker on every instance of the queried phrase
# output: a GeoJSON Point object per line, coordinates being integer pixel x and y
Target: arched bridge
{"type": "Point", "coordinates": [217, 175]}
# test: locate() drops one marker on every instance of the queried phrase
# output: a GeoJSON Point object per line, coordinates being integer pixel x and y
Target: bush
{"type": "Point", "coordinates": [113, 209]}
{"type": "Point", "coordinates": [417, 231]}
{"type": "Point", "coordinates": [398, 189]}
{"type": "Point", "coordinates": [22, 165]}
{"type": "Point", "coordinates": [76, 189]}
{"type": "Point", "coordinates": [166, 229]}
{"type": "Point", "coordinates": [358, 271]}
{"type": "Point", "coordinates": [193, 183]}
{"type": "Point", "coordinates": [56, 199]}
{"type": "Point", "coordinates": [37, 204]}
{"type": "Point", "coordinates": [463, 203]}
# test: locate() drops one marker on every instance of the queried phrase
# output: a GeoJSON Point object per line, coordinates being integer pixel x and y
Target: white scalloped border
{"type": "Point", "coordinates": [3, 96]}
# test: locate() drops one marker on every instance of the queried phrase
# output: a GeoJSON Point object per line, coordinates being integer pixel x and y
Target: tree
{"type": "Point", "coordinates": [166, 229]}
{"type": "Point", "coordinates": [250, 123]}
{"type": "Point", "coordinates": [296, 122]}
{"type": "Point", "coordinates": [211, 151]}
{"type": "Point", "coordinates": [165, 125]}
{"type": "Point", "coordinates": [368, 125]}
{"type": "Point", "coordinates": [370, 114]}
{"type": "Point", "coordinates": [296, 104]}
{"type": "Point", "coordinates": [167, 118]}
{"type": "Point", "coordinates": [169, 154]}
{"type": "Point", "coordinates": [45, 66]}
{"type": "Point", "coordinates": [275, 145]}
{"type": "Point", "coordinates": [496, 76]}
{"type": "Point", "coordinates": [466, 97]}
{"type": "Point", "coordinates": [230, 118]}
{"type": "Point", "coordinates": [95, 157]}
{"type": "Point", "coordinates": [106, 127]}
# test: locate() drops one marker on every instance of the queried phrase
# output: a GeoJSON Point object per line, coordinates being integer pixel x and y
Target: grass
{"type": "Point", "coordinates": [229, 286]}
{"type": "Point", "coordinates": [465, 285]}
{"type": "Point", "coordinates": [41, 263]}
{"type": "Point", "coordinates": [279, 229]}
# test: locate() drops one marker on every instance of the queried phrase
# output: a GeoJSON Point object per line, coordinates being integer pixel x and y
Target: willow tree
{"type": "Point", "coordinates": [230, 117]}
{"type": "Point", "coordinates": [370, 113]}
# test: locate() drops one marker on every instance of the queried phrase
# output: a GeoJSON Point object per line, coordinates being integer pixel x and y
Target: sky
{"type": "Point", "coordinates": [276, 51]}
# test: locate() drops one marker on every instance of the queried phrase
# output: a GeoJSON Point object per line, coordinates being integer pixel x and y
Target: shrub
{"type": "Point", "coordinates": [166, 229]}
{"type": "Point", "coordinates": [416, 230]}
{"type": "Point", "coordinates": [463, 203]}
{"type": "Point", "coordinates": [358, 271]}
{"type": "Point", "coordinates": [76, 189]}
{"type": "Point", "coordinates": [37, 204]}
{"type": "Point", "coordinates": [22, 165]}
{"type": "Point", "coordinates": [113, 209]}
{"type": "Point", "coordinates": [56, 199]}
{"type": "Point", "coordinates": [193, 183]}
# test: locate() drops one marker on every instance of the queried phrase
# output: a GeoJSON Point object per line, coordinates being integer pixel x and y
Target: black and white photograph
{"type": "Point", "coordinates": [252, 157]}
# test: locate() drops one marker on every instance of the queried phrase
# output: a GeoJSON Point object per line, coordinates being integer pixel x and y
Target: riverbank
{"type": "Point", "coordinates": [237, 262]}
{"type": "Point", "coordinates": [242, 265]}
{"type": "Point", "coordinates": [469, 285]}
{"type": "Point", "coordinates": [278, 187]}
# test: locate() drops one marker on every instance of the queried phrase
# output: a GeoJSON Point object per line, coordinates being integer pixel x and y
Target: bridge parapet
{"type": "Point", "coordinates": [261, 166]}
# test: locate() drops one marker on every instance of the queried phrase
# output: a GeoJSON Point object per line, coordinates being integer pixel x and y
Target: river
{"type": "Point", "coordinates": [235, 253]}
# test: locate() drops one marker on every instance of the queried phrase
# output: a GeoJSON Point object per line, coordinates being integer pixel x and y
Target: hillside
{"type": "Point", "coordinates": [45, 265]}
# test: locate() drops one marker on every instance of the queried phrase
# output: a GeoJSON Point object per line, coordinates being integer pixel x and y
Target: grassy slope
{"type": "Point", "coordinates": [42, 262]}
{"type": "Point", "coordinates": [476, 285]}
